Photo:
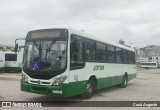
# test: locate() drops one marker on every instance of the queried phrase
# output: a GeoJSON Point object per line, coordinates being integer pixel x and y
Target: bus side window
{"type": "Point", "coordinates": [89, 50]}
{"type": "Point", "coordinates": [130, 57]}
{"type": "Point", "coordinates": [133, 58]}
{"type": "Point", "coordinates": [76, 53]}
{"type": "Point", "coordinates": [125, 56]}
{"type": "Point", "coordinates": [111, 53]}
{"type": "Point", "coordinates": [101, 51]}
{"type": "Point", "coordinates": [118, 55]}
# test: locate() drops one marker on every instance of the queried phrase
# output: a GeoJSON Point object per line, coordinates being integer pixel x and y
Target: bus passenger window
{"type": "Point", "coordinates": [125, 56]}
{"type": "Point", "coordinates": [76, 53]}
{"type": "Point", "coordinates": [133, 57]}
{"type": "Point", "coordinates": [100, 51]}
{"type": "Point", "coordinates": [111, 53]}
{"type": "Point", "coordinates": [130, 57]}
{"type": "Point", "coordinates": [118, 55]}
{"type": "Point", "coordinates": [90, 50]}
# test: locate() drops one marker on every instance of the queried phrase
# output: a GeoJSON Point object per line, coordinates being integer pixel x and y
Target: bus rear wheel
{"type": "Point", "coordinates": [89, 90]}
{"type": "Point", "coordinates": [124, 82]}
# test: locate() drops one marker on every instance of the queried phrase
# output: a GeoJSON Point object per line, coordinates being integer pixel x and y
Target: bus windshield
{"type": "Point", "coordinates": [45, 55]}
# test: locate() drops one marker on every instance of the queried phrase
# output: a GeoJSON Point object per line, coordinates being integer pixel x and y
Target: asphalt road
{"type": "Point", "coordinates": [144, 88]}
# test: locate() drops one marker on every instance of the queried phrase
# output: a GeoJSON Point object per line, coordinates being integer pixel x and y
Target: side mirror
{"type": "Point", "coordinates": [16, 48]}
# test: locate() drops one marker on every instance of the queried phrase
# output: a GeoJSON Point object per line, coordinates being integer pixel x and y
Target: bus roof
{"type": "Point", "coordinates": [82, 33]}
{"type": "Point", "coordinates": [86, 35]}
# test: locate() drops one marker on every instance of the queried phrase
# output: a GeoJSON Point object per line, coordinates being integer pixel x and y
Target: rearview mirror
{"type": "Point", "coordinates": [16, 48]}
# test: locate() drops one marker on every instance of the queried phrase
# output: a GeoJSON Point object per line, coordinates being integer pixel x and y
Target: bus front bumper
{"type": "Point", "coordinates": [60, 91]}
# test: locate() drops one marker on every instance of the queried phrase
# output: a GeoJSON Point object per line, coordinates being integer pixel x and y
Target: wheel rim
{"type": "Point", "coordinates": [125, 81]}
{"type": "Point", "coordinates": [89, 89]}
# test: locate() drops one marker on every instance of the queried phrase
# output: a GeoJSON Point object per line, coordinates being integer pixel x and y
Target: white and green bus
{"type": "Point", "coordinates": [66, 62]}
{"type": "Point", "coordinates": [149, 64]}
{"type": "Point", "coordinates": [13, 61]}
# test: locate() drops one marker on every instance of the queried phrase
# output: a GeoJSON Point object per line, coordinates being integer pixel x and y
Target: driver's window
{"type": "Point", "coordinates": [76, 52]}
{"type": "Point", "coordinates": [29, 55]}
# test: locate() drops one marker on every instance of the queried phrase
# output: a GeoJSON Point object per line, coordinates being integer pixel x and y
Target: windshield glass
{"type": "Point", "coordinates": [45, 55]}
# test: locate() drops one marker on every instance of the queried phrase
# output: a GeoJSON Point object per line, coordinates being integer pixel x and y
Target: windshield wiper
{"type": "Point", "coordinates": [50, 45]}
{"type": "Point", "coordinates": [48, 49]}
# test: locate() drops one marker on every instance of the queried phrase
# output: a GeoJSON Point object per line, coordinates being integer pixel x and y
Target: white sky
{"type": "Point", "coordinates": [135, 21]}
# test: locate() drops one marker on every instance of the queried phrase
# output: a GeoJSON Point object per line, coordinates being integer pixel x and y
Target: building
{"type": "Point", "coordinates": [151, 52]}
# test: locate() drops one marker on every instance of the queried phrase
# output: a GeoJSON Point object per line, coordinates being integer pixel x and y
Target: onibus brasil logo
{"type": "Point", "coordinates": [21, 104]}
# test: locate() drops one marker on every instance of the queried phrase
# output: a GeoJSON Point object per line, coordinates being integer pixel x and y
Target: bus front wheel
{"type": "Point", "coordinates": [89, 90]}
{"type": "Point", "coordinates": [124, 82]}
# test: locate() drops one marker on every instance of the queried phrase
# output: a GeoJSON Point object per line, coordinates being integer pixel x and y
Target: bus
{"type": "Point", "coordinates": [66, 62]}
{"type": "Point", "coordinates": [13, 61]}
{"type": "Point", "coordinates": [149, 64]}
{"type": "Point", "coordinates": [2, 60]}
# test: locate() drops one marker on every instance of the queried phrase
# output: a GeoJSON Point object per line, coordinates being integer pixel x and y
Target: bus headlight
{"type": "Point", "coordinates": [59, 81]}
{"type": "Point", "coordinates": [24, 78]}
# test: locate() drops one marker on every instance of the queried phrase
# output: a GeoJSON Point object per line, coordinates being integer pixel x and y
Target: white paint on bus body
{"type": "Point", "coordinates": [2, 59]}
{"type": "Point", "coordinates": [13, 62]}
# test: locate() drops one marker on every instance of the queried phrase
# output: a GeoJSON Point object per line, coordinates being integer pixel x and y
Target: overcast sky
{"type": "Point", "coordinates": [137, 22]}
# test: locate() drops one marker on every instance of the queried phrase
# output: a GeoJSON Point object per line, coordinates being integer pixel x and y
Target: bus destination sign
{"type": "Point", "coordinates": [39, 35]}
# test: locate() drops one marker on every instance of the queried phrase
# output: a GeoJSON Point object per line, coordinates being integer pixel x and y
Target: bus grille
{"type": "Point", "coordinates": [39, 89]}
{"type": "Point", "coordinates": [36, 82]}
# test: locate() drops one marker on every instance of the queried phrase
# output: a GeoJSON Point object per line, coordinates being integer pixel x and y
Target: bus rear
{"type": "Point", "coordinates": [13, 61]}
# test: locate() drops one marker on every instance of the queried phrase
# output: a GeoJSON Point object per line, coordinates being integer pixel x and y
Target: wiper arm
{"type": "Point", "coordinates": [50, 45]}
{"type": "Point", "coordinates": [48, 49]}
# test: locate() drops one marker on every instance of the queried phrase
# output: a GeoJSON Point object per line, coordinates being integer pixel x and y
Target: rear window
{"type": "Point", "coordinates": [10, 57]}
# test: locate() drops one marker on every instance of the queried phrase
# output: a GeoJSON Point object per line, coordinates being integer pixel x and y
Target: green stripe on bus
{"type": "Point", "coordinates": [12, 69]}
{"type": "Point", "coordinates": [2, 69]}
{"type": "Point", "coordinates": [73, 88]}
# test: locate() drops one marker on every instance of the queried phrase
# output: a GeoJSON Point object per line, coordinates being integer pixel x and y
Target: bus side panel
{"type": "Point", "coordinates": [103, 82]}
{"type": "Point", "coordinates": [108, 81]}
{"type": "Point", "coordinates": [114, 74]}
{"type": "Point", "coordinates": [131, 76]}
{"type": "Point", "coordinates": [111, 74]}
{"type": "Point", "coordinates": [116, 80]}
{"type": "Point", "coordinates": [77, 82]}
{"type": "Point", "coordinates": [76, 88]}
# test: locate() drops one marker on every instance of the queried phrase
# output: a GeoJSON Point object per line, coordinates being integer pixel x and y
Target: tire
{"type": "Point", "coordinates": [124, 82]}
{"type": "Point", "coordinates": [89, 90]}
